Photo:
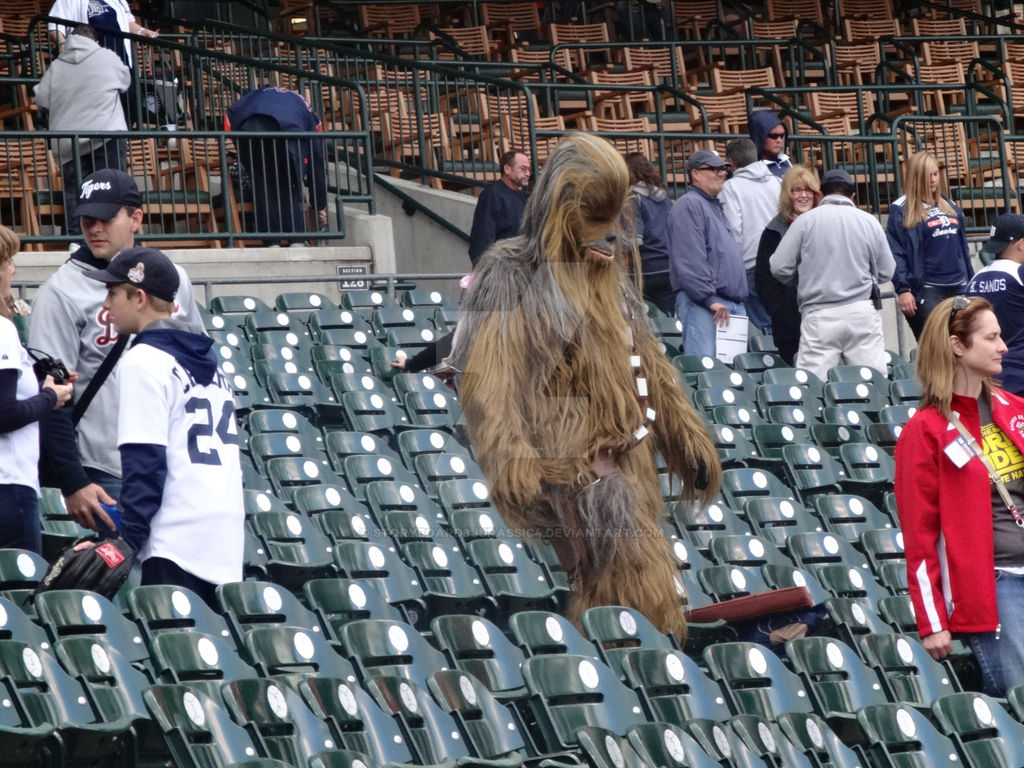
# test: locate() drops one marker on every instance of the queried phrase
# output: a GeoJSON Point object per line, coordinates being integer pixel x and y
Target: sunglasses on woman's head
{"type": "Point", "coordinates": [959, 302]}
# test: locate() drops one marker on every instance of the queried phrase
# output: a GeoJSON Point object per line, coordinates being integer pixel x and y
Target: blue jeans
{"type": "Point", "coordinates": [699, 336]}
{"type": "Point", "coordinates": [756, 312]}
{"type": "Point", "coordinates": [111, 485]}
{"type": "Point", "coordinates": [19, 518]}
{"type": "Point", "coordinates": [927, 298]}
{"type": "Point", "coordinates": [1000, 654]}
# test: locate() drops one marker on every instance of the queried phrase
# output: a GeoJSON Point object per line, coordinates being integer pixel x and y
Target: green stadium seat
{"type": "Point", "coordinates": [358, 339]}
{"type": "Point", "coordinates": [351, 525]}
{"type": "Point", "coordinates": [269, 445]}
{"type": "Point", "coordinates": [672, 687]}
{"type": "Point", "coordinates": [706, 400]}
{"type": "Point", "coordinates": [199, 732]}
{"type": "Point", "coordinates": [735, 449]}
{"type": "Point", "coordinates": [754, 364]}
{"type": "Point", "coordinates": [604, 749]}
{"type": "Point", "coordinates": [340, 444]}
{"type": "Point", "coordinates": [435, 468]}
{"type": "Point", "coordinates": [287, 474]}
{"type": "Point", "coordinates": [202, 661]}
{"type": "Point", "coordinates": [450, 583]}
{"type": "Point", "coordinates": [755, 680]}
{"type": "Point", "coordinates": [237, 305]}
{"type": "Point", "coordinates": [898, 729]}
{"type": "Point", "coordinates": [854, 617]}
{"type": "Point", "coordinates": [361, 382]}
{"type": "Point", "coordinates": [982, 729]}
{"type": "Point", "coordinates": [811, 734]}
{"type": "Point", "coordinates": [615, 630]}
{"type": "Point", "coordinates": [914, 677]}
{"type": "Point", "coordinates": [433, 733]}
{"type": "Point", "coordinates": [848, 515]}
{"type": "Point", "coordinates": [748, 551]}
{"type": "Point", "coordinates": [303, 302]}
{"type": "Point", "coordinates": [510, 576]}
{"type": "Point", "coordinates": [413, 442]}
{"type": "Point", "coordinates": [65, 612]}
{"type": "Point", "coordinates": [329, 360]}
{"type": "Point", "coordinates": [433, 410]}
{"type": "Point", "coordinates": [384, 570]}
{"type": "Point", "coordinates": [905, 392]}
{"type": "Point", "coordinates": [312, 500]}
{"type": "Point", "coordinates": [842, 580]}
{"type": "Point", "coordinates": [569, 691]}
{"type": "Point", "coordinates": [832, 437]}
{"type": "Point", "coordinates": [725, 582]}
{"type": "Point", "coordinates": [421, 297]}
{"type": "Point", "coordinates": [363, 469]}
{"type": "Point", "coordinates": [837, 679]}
{"type": "Point", "coordinates": [700, 526]}
{"type": "Point", "coordinates": [768, 396]}
{"type": "Point", "coordinates": [288, 731]}
{"type": "Point", "coordinates": [480, 649]}
{"type": "Point", "coordinates": [355, 719]}
{"type": "Point", "coordinates": [295, 653]}
{"type": "Point", "coordinates": [858, 374]}
{"type": "Point", "coordinates": [327, 318]}
{"type": "Point", "coordinates": [690, 366]}
{"type": "Point", "coordinates": [20, 571]}
{"type": "Point", "coordinates": [870, 471]}
{"type": "Point", "coordinates": [544, 632]}
{"type": "Point", "coordinates": [384, 319]}
{"type": "Point", "coordinates": [296, 549]}
{"type": "Point", "coordinates": [370, 412]}
{"type": "Point", "coordinates": [742, 417]}
{"type": "Point", "coordinates": [774, 518]}
{"type": "Point", "coordinates": [770, 438]}
{"type": "Point", "coordinates": [385, 496]}
{"type": "Point", "coordinates": [338, 601]}
{"type": "Point", "coordinates": [738, 485]}
{"type": "Point", "coordinates": [668, 744]}
{"type": "Point", "coordinates": [755, 738]}
{"type": "Point", "coordinates": [248, 604]}
{"type": "Point", "coordinates": [726, 379]}
{"type": "Point", "coordinates": [366, 299]}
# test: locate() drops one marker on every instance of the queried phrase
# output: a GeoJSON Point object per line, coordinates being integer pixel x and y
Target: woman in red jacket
{"type": "Point", "coordinates": [959, 480]}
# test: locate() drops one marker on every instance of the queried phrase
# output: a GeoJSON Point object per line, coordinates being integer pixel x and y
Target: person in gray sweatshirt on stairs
{"type": "Point", "coordinates": [81, 91]}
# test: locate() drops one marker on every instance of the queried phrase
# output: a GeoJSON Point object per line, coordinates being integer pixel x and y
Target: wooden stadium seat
{"type": "Point", "coordinates": [621, 103]}
{"type": "Point", "coordinates": [390, 21]}
{"type": "Point", "coordinates": [582, 59]}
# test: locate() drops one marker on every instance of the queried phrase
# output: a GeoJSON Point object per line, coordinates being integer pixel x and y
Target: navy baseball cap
{"type": "Point", "coordinates": [705, 158]}
{"type": "Point", "coordinates": [837, 174]}
{"type": "Point", "coordinates": [1008, 229]}
{"type": "Point", "coordinates": [146, 268]}
{"type": "Point", "coordinates": [104, 192]}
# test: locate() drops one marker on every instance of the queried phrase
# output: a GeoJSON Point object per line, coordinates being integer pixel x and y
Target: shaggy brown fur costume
{"type": "Point", "coordinates": [549, 341]}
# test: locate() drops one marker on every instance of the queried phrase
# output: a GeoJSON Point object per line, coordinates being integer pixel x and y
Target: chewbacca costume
{"type": "Point", "coordinates": [568, 396]}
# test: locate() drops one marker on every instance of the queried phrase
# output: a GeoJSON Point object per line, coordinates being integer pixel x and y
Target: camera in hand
{"type": "Point", "coordinates": [51, 366]}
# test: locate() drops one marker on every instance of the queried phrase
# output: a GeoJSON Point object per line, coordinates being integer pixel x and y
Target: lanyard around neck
{"type": "Point", "coordinates": [997, 479]}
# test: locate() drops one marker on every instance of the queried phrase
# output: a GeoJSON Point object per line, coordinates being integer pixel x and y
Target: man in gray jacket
{"type": "Point", "coordinates": [705, 264]}
{"type": "Point", "coordinates": [838, 252]}
{"type": "Point", "coordinates": [82, 92]}
{"type": "Point", "coordinates": [750, 199]}
{"type": "Point", "coordinates": [69, 322]}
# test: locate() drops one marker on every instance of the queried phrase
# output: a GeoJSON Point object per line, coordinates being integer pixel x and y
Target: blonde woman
{"type": "Point", "coordinates": [927, 237]}
{"type": "Point", "coordinates": [800, 192]}
{"type": "Point", "coordinates": [22, 403]}
{"type": "Point", "coordinates": [958, 485]}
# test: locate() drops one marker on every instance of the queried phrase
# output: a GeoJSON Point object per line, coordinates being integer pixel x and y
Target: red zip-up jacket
{"type": "Point", "coordinates": [946, 516]}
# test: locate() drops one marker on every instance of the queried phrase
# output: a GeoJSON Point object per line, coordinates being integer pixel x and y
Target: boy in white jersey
{"type": "Point", "coordinates": [181, 497]}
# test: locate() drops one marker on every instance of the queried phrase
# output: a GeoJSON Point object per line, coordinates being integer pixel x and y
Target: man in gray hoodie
{"type": "Point", "coordinates": [750, 199]}
{"type": "Point", "coordinates": [81, 91]}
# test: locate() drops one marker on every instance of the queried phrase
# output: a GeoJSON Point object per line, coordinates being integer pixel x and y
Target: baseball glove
{"type": "Point", "coordinates": [101, 569]}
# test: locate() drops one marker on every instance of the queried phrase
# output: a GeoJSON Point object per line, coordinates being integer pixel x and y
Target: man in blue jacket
{"type": "Point", "coordinates": [277, 166]}
{"type": "Point", "coordinates": [705, 262]}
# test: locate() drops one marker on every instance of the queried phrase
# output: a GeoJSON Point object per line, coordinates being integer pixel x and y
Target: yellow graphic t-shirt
{"type": "Point", "coordinates": [1008, 461]}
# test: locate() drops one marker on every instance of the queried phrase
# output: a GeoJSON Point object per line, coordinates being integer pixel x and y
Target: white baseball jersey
{"type": "Point", "coordinates": [19, 450]}
{"type": "Point", "coordinates": [200, 522]}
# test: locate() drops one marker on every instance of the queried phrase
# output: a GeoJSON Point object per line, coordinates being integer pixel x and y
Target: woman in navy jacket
{"type": "Point", "coordinates": [927, 238]}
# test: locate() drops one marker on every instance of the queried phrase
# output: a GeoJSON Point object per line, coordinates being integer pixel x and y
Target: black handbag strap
{"type": "Point", "coordinates": [101, 376]}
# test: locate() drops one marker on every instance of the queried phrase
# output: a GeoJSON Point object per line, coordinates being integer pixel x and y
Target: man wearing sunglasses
{"type": "Point", "coordinates": [1002, 283]}
{"type": "Point", "coordinates": [769, 135]}
{"type": "Point", "coordinates": [705, 262]}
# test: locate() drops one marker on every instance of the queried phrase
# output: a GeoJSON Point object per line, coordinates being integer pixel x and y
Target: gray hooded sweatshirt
{"type": "Point", "coordinates": [750, 199]}
{"type": "Point", "coordinates": [81, 90]}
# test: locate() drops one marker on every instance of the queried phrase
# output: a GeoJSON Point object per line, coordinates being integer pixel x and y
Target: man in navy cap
{"type": "Point", "coordinates": [705, 262]}
{"type": "Point", "coordinates": [69, 322]}
{"type": "Point", "coordinates": [838, 252]}
{"type": "Point", "coordinates": [1002, 283]}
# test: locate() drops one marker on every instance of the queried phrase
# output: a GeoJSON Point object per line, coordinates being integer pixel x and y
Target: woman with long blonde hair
{"type": "Point", "coordinates": [800, 192]}
{"type": "Point", "coordinates": [22, 403]}
{"type": "Point", "coordinates": [928, 240]}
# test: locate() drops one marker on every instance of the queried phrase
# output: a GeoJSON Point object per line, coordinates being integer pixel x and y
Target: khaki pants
{"type": "Point", "coordinates": [850, 334]}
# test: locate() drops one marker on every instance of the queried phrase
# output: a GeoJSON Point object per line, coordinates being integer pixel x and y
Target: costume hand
{"type": "Point", "coordinates": [62, 391]}
{"type": "Point", "coordinates": [721, 313]}
{"type": "Point", "coordinates": [939, 645]}
{"type": "Point", "coordinates": [908, 305]}
{"type": "Point", "coordinates": [84, 506]}
{"type": "Point", "coordinates": [321, 216]}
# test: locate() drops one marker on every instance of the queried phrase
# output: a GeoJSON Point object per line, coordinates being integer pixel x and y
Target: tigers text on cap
{"type": "Point", "coordinates": [104, 192]}
{"type": "Point", "coordinates": [705, 157]}
{"type": "Point", "coordinates": [836, 174]}
{"type": "Point", "coordinates": [1009, 228]}
{"type": "Point", "coordinates": [146, 268]}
